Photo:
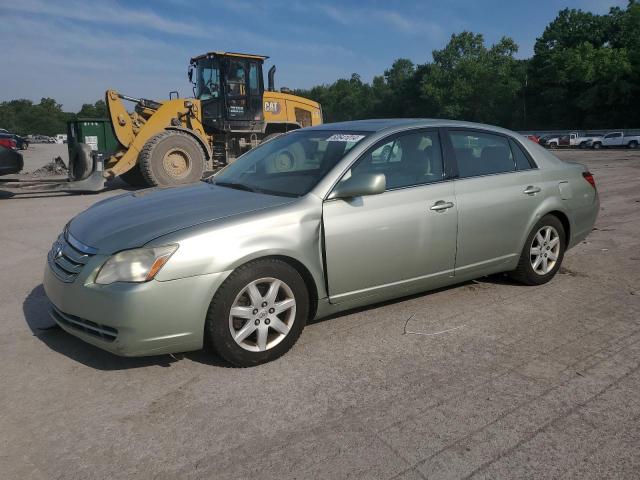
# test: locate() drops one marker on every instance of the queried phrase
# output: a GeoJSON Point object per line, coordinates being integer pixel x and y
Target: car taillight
{"type": "Point", "coordinates": [588, 176]}
{"type": "Point", "coordinates": [8, 143]}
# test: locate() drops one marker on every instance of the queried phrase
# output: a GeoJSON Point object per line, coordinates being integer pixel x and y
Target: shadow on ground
{"type": "Point", "coordinates": [36, 313]}
{"type": "Point", "coordinates": [17, 194]}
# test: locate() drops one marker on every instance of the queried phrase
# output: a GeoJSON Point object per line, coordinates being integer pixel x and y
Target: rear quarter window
{"type": "Point", "coordinates": [521, 159]}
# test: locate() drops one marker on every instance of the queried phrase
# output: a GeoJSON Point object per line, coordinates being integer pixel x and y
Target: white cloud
{"type": "Point", "coordinates": [75, 64]}
{"type": "Point", "coordinates": [76, 61]}
{"type": "Point", "coordinates": [106, 12]}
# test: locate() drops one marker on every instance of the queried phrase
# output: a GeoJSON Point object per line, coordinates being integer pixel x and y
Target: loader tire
{"type": "Point", "coordinates": [172, 158]}
{"type": "Point", "coordinates": [81, 162]}
{"type": "Point", "coordinates": [134, 177]}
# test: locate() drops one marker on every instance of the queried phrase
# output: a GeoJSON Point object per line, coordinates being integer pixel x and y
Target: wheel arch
{"type": "Point", "coordinates": [566, 224]}
{"type": "Point", "coordinates": [306, 275]}
{"type": "Point", "coordinates": [301, 268]}
{"type": "Point", "coordinates": [205, 146]}
{"type": "Point", "coordinates": [549, 207]}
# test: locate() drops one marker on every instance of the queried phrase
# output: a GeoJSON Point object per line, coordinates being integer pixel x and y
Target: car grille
{"type": "Point", "coordinates": [67, 257]}
{"type": "Point", "coordinates": [108, 334]}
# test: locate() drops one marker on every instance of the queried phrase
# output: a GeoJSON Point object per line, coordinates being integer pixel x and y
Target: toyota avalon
{"type": "Point", "coordinates": [316, 221]}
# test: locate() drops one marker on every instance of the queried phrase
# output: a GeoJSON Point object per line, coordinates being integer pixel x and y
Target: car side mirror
{"type": "Point", "coordinates": [360, 185]}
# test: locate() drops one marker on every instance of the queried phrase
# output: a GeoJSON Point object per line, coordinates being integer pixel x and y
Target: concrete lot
{"type": "Point", "coordinates": [537, 382]}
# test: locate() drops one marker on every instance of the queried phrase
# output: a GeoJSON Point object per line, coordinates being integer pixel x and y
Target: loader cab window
{"type": "Point", "coordinates": [207, 79]}
{"type": "Point", "coordinates": [254, 80]}
{"type": "Point", "coordinates": [236, 78]}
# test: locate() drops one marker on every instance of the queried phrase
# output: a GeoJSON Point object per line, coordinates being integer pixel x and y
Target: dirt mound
{"type": "Point", "coordinates": [55, 168]}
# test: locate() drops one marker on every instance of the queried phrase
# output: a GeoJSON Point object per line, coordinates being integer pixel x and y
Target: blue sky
{"type": "Point", "coordinates": [73, 50]}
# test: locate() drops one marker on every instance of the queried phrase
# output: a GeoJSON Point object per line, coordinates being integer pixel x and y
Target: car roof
{"type": "Point", "coordinates": [381, 124]}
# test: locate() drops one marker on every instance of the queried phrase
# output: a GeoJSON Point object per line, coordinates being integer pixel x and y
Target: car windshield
{"type": "Point", "coordinates": [289, 165]}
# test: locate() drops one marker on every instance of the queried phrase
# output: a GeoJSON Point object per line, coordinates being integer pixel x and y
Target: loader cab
{"type": "Point", "coordinates": [230, 88]}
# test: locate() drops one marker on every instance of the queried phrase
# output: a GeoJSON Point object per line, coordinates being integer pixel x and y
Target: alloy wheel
{"type": "Point", "coordinates": [545, 250]}
{"type": "Point", "coordinates": [262, 314]}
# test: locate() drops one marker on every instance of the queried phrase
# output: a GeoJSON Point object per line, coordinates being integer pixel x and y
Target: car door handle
{"type": "Point", "coordinates": [441, 205]}
{"type": "Point", "coordinates": [530, 190]}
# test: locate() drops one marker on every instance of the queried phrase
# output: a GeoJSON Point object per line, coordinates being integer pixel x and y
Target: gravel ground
{"type": "Point", "coordinates": [536, 382]}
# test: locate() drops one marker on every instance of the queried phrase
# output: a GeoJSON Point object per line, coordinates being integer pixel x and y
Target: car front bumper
{"type": "Point", "coordinates": [133, 319]}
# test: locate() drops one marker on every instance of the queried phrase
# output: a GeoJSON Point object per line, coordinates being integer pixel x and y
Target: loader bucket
{"type": "Point", "coordinates": [93, 180]}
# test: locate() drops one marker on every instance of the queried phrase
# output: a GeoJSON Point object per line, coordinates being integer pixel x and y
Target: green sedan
{"type": "Point", "coordinates": [316, 221]}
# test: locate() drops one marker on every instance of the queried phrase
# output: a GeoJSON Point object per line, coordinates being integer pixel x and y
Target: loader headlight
{"type": "Point", "coordinates": [138, 265]}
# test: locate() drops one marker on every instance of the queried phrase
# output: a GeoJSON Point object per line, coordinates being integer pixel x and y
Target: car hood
{"type": "Point", "coordinates": [134, 219]}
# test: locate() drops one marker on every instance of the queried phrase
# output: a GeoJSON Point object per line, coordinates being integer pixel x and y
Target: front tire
{"type": "Point", "coordinates": [542, 253]}
{"type": "Point", "coordinates": [258, 313]}
{"type": "Point", "coordinates": [172, 158]}
{"type": "Point", "coordinates": [597, 146]}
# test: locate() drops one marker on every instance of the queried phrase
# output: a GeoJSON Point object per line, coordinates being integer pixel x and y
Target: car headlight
{"type": "Point", "coordinates": [138, 265]}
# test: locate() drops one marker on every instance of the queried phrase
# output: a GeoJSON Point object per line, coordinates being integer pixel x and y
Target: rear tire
{"type": "Point", "coordinates": [172, 158]}
{"type": "Point", "coordinates": [542, 253]}
{"type": "Point", "coordinates": [237, 339]}
{"type": "Point", "coordinates": [633, 144]}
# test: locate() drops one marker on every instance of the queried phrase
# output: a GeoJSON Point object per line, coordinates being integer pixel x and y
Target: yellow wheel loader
{"type": "Point", "coordinates": [175, 141]}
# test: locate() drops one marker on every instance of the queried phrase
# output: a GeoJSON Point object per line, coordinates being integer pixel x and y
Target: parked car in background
{"type": "Point", "coordinates": [571, 140]}
{"type": "Point", "coordinates": [311, 223]}
{"type": "Point", "coordinates": [616, 139]}
{"type": "Point", "coordinates": [7, 140]}
{"type": "Point", "coordinates": [534, 138]}
{"type": "Point", "coordinates": [542, 139]}
{"type": "Point", "coordinates": [11, 161]}
{"type": "Point", "coordinates": [40, 139]}
{"type": "Point", "coordinates": [21, 142]}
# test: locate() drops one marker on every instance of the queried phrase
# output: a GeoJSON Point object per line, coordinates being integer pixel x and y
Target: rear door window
{"type": "Point", "coordinates": [479, 153]}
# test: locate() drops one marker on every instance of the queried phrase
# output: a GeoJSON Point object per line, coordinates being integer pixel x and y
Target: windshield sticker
{"type": "Point", "coordinates": [339, 137]}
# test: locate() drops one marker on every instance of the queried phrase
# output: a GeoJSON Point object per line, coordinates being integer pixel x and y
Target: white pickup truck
{"type": "Point", "coordinates": [616, 139]}
{"type": "Point", "coordinates": [571, 140]}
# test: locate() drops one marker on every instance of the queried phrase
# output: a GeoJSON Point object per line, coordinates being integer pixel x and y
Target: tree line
{"type": "Point", "coordinates": [45, 118]}
{"type": "Point", "coordinates": [584, 73]}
